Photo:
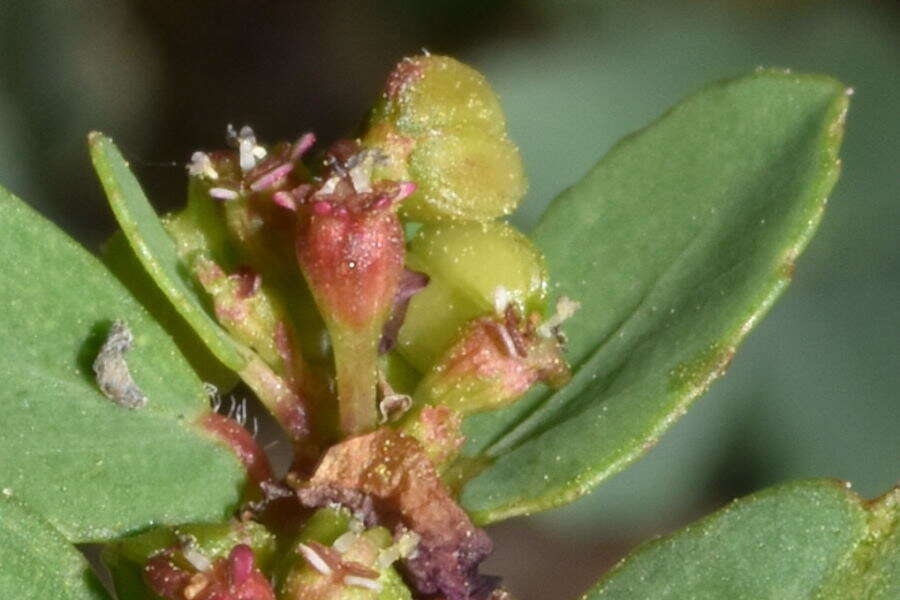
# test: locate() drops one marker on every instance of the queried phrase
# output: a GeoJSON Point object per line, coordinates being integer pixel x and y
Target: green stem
{"type": "Point", "coordinates": [356, 367]}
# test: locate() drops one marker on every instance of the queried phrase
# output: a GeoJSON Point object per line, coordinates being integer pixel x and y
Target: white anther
{"type": "Point", "coordinates": [201, 166]}
{"type": "Point", "coordinates": [314, 559]}
{"type": "Point", "coordinates": [565, 308]}
{"type": "Point", "coordinates": [363, 582]}
{"type": "Point", "coordinates": [501, 300]}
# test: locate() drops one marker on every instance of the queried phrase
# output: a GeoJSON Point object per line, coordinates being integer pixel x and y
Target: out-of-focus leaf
{"type": "Point", "coordinates": [36, 562]}
{"type": "Point", "coordinates": [156, 250]}
{"type": "Point", "coordinates": [809, 539]}
{"type": "Point", "coordinates": [92, 468]}
{"type": "Point", "coordinates": [676, 243]}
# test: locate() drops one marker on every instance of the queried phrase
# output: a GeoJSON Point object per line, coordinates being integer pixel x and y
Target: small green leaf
{"type": "Point", "coordinates": [156, 250]}
{"type": "Point", "coordinates": [794, 541]}
{"type": "Point", "coordinates": [36, 562]}
{"type": "Point", "coordinates": [676, 243]}
{"type": "Point", "coordinates": [93, 469]}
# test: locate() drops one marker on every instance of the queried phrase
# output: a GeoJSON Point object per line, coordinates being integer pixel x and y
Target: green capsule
{"type": "Point", "coordinates": [440, 125]}
{"type": "Point", "coordinates": [469, 175]}
{"type": "Point", "coordinates": [428, 93]}
{"type": "Point", "coordinates": [472, 267]}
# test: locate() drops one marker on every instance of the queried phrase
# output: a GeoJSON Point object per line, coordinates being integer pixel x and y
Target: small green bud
{"type": "Point", "coordinates": [471, 266]}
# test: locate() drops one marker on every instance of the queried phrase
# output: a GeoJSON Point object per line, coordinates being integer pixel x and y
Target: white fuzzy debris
{"type": "Point", "coordinates": [223, 193]}
{"type": "Point", "coordinates": [363, 582]}
{"type": "Point", "coordinates": [501, 300]}
{"type": "Point", "coordinates": [7, 492]}
{"type": "Point", "coordinates": [201, 166]}
{"type": "Point", "coordinates": [111, 369]}
{"type": "Point", "coordinates": [315, 561]}
{"type": "Point", "coordinates": [565, 308]}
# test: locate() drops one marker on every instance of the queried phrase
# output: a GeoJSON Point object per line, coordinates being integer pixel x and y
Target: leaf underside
{"type": "Point", "coordinates": [809, 539]}
{"type": "Point", "coordinates": [36, 562]}
{"type": "Point", "coordinates": [676, 243]}
{"type": "Point", "coordinates": [93, 469]}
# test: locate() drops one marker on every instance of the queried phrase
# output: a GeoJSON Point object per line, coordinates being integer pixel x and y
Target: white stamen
{"type": "Point", "coordinates": [565, 308]}
{"type": "Point", "coordinates": [363, 582]}
{"type": "Point", "coordinates": [344, 542]}
{"type": "Point", "coordinates": [356, 526]}
{"type": "Point", "coordinates": [360, 166]}
{"type": "Point", "coordinates": [316, 562]}
{"type": "Point", "coordinates": [507, 340]}
{"type": "Point", "coordinates": [223, 193]}
{"type": "Point", "coordinates": [408, 543]}
{"type": "Point", "coordinates": [387, 557]}
{"type": "Point", "coordinates": [246, 148]}
{"type": "Point", "coordinates": [259, 152]}
{"type": "Point", "coordinates": [197, 559]}
{"type": "Point", "coordinates": [329, 186]}
{"type": "Point", "coordinates": [501, 300]}
{"type": "Point", "coordinates": [201, 166]}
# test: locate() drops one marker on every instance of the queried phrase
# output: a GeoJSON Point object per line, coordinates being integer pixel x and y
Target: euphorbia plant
{"type": "Point", "coordinates": [434, 369]}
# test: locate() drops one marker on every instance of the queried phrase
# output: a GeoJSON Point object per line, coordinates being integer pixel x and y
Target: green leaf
{"type": "Point", "coordinates": [120, 259]}
{"type": "Point", "coordinates": [156, 250]}
{"type": "Point", "coordinates": [95, 470]}
{"type": "Point", "coordinates": [809, 539]}
{"type": "Point", "coordinates": [676, 244]}
{"type": "Point", "coordinates": [36, 562]}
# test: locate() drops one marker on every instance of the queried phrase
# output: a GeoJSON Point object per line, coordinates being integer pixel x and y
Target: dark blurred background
{"type": "Point", "coordinates": [814, 391]}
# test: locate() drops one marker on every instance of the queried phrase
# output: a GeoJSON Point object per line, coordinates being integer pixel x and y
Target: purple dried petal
{"type": "Point", "coordinates": [410, 284]}
{"type": "Point", "coordinates": [450, 569]}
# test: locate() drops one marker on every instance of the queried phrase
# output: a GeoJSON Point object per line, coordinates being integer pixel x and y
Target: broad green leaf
{"type": "Point", "coordinates": [156, 250]}
{"type": "Point", "coordinates": [36, 562]}
{"type": "Point", "coordinates": [676, 243]}
{"type": "Point", "coordinates": [120, 259]}
{"type": "Point", "coordinates": [94, 469]}
{"type": "Point", "coordinates": [809, 539]}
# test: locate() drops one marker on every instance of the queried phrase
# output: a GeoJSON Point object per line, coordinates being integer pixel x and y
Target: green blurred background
{"type": "Point", "coordinates": [813, 392]}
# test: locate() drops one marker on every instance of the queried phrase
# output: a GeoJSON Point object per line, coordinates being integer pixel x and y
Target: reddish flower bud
{"type": "Point", "coordinates": [233, 578]}
{"type": "Point", "coordinates": [350, 247]}
{"type": "Point", "coordinates": [494, 362]}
